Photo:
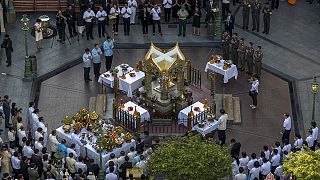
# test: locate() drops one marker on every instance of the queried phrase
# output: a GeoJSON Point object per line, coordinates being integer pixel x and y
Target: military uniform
{"type": "Point", "coordinates": [241, 53]}
{"type": "Point", "coordinates": [225, 46]}
{"type": "Point", "coordinates": [258, 55]}
{"type": "Point", "coordinates": [234, 54]}
{"type": "Point", "coordinates": [245, 14]}
{"type": "Point", "coordinates": [256, 8]}
{"type": "Point", "coordinates": [266, 19]}
{"type": "Point", "coordinates": [249, 59]}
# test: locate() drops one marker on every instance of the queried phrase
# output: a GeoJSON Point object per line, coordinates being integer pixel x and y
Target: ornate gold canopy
{"type": "Point", "coordinates": [164, 59]}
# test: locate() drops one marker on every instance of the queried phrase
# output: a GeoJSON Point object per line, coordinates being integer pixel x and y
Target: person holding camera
{"type": "Point", "coordinates": [61, 26]}
{"type": "Point", "coordinates": [254, 91]}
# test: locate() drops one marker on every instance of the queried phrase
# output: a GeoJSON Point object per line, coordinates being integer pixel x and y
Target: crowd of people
{"type": "Point", "coordinates": [31, 151]}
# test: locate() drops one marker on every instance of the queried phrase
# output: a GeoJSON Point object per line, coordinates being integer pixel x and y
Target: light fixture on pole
{"type": "Point", "coordinates": [27, 62]}
{"type": "Point", "coordinates": [314, 90]}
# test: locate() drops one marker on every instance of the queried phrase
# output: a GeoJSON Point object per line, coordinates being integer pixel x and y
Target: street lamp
{"type": "Point", "coordinates": [314, 90]}
{"type": "Point", "coordinates": [58, 162]}
{"type": "Point", "coordinates": [100, 142]}
{"type": "Point", "coordinates": [27, 63]}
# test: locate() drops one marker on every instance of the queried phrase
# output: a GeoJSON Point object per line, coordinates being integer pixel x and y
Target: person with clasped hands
{"type": "Point", "coordinates": [87, 60]}
{"type": "Point", "coordinates": [126, 13]}
{"type": "Point", "coordinates": [88, 16]}
{"type": "Point", "coordinates": [222, 126]}
{"type": "Point", "coordinates": [254, 91]}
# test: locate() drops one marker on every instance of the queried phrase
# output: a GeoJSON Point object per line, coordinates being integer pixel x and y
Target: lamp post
{"type": "Point", "coordinates": [58, 164]}
{"type": "Point", "coordinates": [27, 63]}
{"type": "Point", "coordinates": [99, 133]}
{"type": "Point", "coordinates": [314, 90]}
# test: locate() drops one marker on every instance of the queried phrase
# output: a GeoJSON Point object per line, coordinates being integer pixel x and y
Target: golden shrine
{"type": "Point", "coordinates": [165, 75]}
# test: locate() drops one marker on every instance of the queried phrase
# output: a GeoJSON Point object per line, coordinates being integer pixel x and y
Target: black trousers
{"type": "Point", "coordinates": [72, 28]}
{"type": "Point", "coordinates": [126, 26]}
{"type": "Point", "coordinates": [96, 69]}
{"type": "Point", "coordinates": [167, 14]}
{"type": "Point", "coordinates": [286, 135]}
{"type": "Point", "coordinates": [222, 136]}
{"type": "Point", "coordinates": [254, 99]}
{"type": "Point", "coordinates": [274, 4]}
{"type": "Point", "coordinates": [62, 32]}
{"type": "Point", "coordinates": [266, 24]}
{"type": "Point", "coordinates": [8, 54]}
{"type": "Point", "coordinates": [116, 25]}
{"type": "Point", "coordinates": [154, 22]}
{"type": "Point", "coordinates": [108, 62]}
{"type": "Point", "coordinates": [86, 73]}
{"type": "Point", "coordinates": [6, 119]}
{"type": "Point", "coordinates": [145, 24]}
{"type": "Point", "coordinates": [101, 28]}
{"type": "Point", "coordinates": [89, 28]}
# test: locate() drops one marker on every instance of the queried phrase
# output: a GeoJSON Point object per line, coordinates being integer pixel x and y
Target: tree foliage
{"type": "Point", "coordinates": [303, 165]}
{"type": "Point", "coordinates": [190, 158]}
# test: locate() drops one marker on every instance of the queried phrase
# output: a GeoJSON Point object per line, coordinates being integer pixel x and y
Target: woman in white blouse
{"type": "Point", "coordinates": [38, 33]}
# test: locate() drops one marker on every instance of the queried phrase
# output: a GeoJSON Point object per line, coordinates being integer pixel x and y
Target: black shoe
{"type": "Point", "coordinates": [253, 29]}
{"type": "Point", "coordinates": [257, 30]}
{"type": "Point", "coordinates": [8, 65]}
{"type": "Point", "coordinates": [242, 27]}
{"type": "Point", "coordinates": [103, 36]}
{"type": "Point", "coordinates": [1, 130]}
{"type": "Point", "coordinates": [99, 36]}
{"type": "Point", "coordinates": [179, 34]}
{"type": "Point", "coordinates": [89, 79]}
{"type": "Point", "coordinates": [87, 38]}
{"type": "Point", "coordinates": [184, 35]}
{"type": "Point", "coordinates": [263, 32]}
{"type": "Point", "coordinates": [92, 38]}
{"type": "Point", "coordinates": [267, 33]}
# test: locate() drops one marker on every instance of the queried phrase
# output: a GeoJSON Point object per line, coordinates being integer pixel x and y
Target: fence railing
{"type": "Point", "coordinates": [195, 77]}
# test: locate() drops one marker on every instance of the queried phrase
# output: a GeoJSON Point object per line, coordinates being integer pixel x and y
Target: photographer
{"type": "Point", "coordinates": [254, 91]}
{"type": "Point", "coordinates": [61, 26]}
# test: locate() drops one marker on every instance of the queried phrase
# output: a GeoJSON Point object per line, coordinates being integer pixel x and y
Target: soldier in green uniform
{"type": "Point", "coordinates": [249, 58]}
{"type": "Point", "coordinates": [241, 53]}
{"type": "Point", "coordinates": [267, 12]}
{"type": "Point", "coordinates": [256, 8]}
{"type": "Point", "coordinates": [234, 46]}
{"type": "Point", "coordinates": [225, 45]}
{"type": "Point", "coordinates": [182, 14]}
{"type": "Point", "coordinates": [258, 55]}
{"type": "Point", "coordinates": [245, 14]}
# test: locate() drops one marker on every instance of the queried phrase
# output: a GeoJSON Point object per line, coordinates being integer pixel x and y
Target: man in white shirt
{"type": "Point", "coordinates": [309, 139]}
{"type": "Point", "coordinates": [101, 16]}
{"type": "Point", "coordinates": [15, 162]}
{"type": "Point", "coordinates": [39, 144]}
{"type": "Point", "coordinates": [21, 134]}
{"type": "Point", "coordinates": [30, 111]}
{"type": "Point", "coordinates": [38, 134]}
{"type": "Point", "coordinates": [222, 126]}
{"type": "Point", "coordinates": [265, 168]}
{"type": "Point", "coordinates": [315, 132]}
{"type": "Point", "coordinates": [35, 121]}
{"type": "Point", "coordinates": [287, 146]}
{"type": "Point", "coordinates": [167, 4]}
{"type": "Point", "coordinates": [255, 171]}
{"type": "Point", "coordinates": [121, 160]}
{"type": "Point", "coordinates": [275, 160]}
{"type": "Point", "coordinates": [76, 139]}
{"type": "Point", "coordinates": [278, 172]}
{"type": "Point", "coordinates": [44, 128]}
{"type": "Point", "coordinates": [80, 165]}
{"type": "Point", "coordinates": [72, 150]}
{"type": "Point", "coordinates": [298, 143]}
{"type": "Point", "coordinates": [254, 92]}
{"type": "Point", "coordinates": [243, 162]}
{"type": "Point", "coordinates": [88, 16]}
{"type": "Point", "coordinates": [132, 154]}
{"type": "Point", "coordinates": [278, 147]}
{"type": "Point", "coordinates": [71, 162]}
{"type": "Point", "coordinates": [252, 161]}
{"type": "Point", "coordinates": [112, 158]}
{"type": "Point", "coordinates": [241, 175]}
{"type": "Point", "coordinates": [53, 142]}
{"type": "Point", "coordinates": [266, 152]}
{"type": "Point", "coordinates": [286, 127]}
{"type": "Point", "coordinates": [126, 13]}
{"type": "Point", "coordinates": [27, 150]}
{"type": "Point", "coordinates": [142, 164]}
{"type": "Point", "coordinates": [111, 175]}
{"type": "Point", "coordinates": [87, 61]}
{"type": "Point", "coordinates": [133, 6]}
{"type": "Point", "coordinates": [156, 15]}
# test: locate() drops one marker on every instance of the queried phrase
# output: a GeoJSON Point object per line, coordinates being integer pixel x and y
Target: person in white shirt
{"type": "Point", "coordinates": [76, 139]}
{"type": "Point", "coordinates": [101, 16]}
{"type": "Point", "coordinates": [27, 150]}
{"type": "Point", "coordinates": [43, 126]}
{"type": "Point", "coordinates": [262, 156]}
{"type": "Point", "coordinates": [278, 147]}
{"type": "Point", "coordinates": [222, 126]}
{"type": "Point", "coordinates": [39, 144]}
{"type": "Point", "coordinates": [38, 134]}
{"type": "Point", "coordinates": [255, 171]}
{"type": "Point", "coordinates": [29, 114]}
{"type": "Point", "coordinates": [254, 91]}
{"type": "Point", "coordinates": [115, 11]}
{"type": "Point", "coordinates": [243, 162]}
{"type": "Point", "coordinates": [315, 132]}
{"type": "Point", "coordinates": [252, 161]}
{"type": "Point", "coordinates": [309, 139]}
{"type": "Point", "coordinates": [278, 172]}
{"type": "Point", "coordinates": [71, 162]}
{"type": "Point", "coordinates": [266, 152]}
{"type": "Point", "coordinates": [167, 4]}
{"type": "Point", "coordinates": [298, 143]}
{"type": "Point", "coordinates": [15, 163]}
{"type": "Point", "coordinates": [275, 160]}
{"type": "Point", "coordinates": [80, 165]}
{"type": "Point", "coordinates": [19, 123]}
{"type": "Point", "coordinates": [286, 127]}
{"type": "Point", "coordinates": [241, 175]}
{"type": "Point", "coordinates": [72, 150]}
{"type": "Point", "coordinates": [287, 146]}
{"type": "Point", "coordinates": [142, 164]}
{"type": "Point", "coordinates": [88, 16]}
{"type": "Point", "coordinates": [235, 166]}
{"type": "Point", "coordinates": [133, 6]}
{"type": "Point", "coordinates": [35, 121]}
{"type": "Point", "coordinates": [112, 158]}
{"type": "Point", "coordinates": [156, 16]}
{"type": "Point", "coordinates": [132, 154]}
{"type": "Point", "coordinates": [11, 136]}
{"type": "Point", "coordinates": [21, 134]}
{"type": "Point", "coordinates": [87, 61]}
{"type": "Point", "coordinates": [265, 168]}
{"type": "Point", "coordinates": [121, 160]}
{"type": "Point", "coordinates": [126, 13]}
{"type": "Point", "coordinates": [111, 175]}
{"type": "Point", "coordinates": [53, 142]}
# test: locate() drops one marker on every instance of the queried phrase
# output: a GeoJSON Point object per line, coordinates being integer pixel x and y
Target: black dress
{"type": "Point", "coordinates": [196, 20]}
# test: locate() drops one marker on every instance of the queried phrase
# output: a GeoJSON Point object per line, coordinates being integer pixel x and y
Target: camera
{"type": "Point", "coordinates": [20, 110]}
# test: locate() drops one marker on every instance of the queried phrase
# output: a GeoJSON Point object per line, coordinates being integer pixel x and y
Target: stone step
{"type": "Point", "coordinates": [92, 104]}
{"type": "Point", "coordinates": [109, 109]}
{"type": "Point", "coordinates": [228, 106]}
{"type": "Point", "coordinates": [101, 104]}
{"type": "Point", "coordinates": [236, 110]}
{"type": "Point", "coordinates": [219, 105]}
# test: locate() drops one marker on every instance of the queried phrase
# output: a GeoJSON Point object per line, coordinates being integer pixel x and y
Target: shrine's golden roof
{"type": "Point", "coordinates": [164, 59]}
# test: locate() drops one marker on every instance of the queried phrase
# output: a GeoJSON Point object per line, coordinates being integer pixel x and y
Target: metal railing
{"type": "Point", "coordinates": [195, 77]}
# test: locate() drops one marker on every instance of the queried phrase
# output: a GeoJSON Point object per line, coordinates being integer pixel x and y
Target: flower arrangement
{"type": "Point", "coordinates": [127, 137]}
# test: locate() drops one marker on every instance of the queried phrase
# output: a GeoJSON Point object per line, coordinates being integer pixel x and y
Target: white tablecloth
{"type": "Point", "coordinates": [90, 151]}
{"type": "Point", "coordinates": [218, 68]}
{"type": "Point", "coordinates": [131, 83]}
{"type": "Point", "coordinates": [183, 114]}
{"type": "Point", "coordinates": [109, 81]}
{"type": "Point", "coordinates": [144, 114]}
{"type": "Point", "coordinates": [209, 127]}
